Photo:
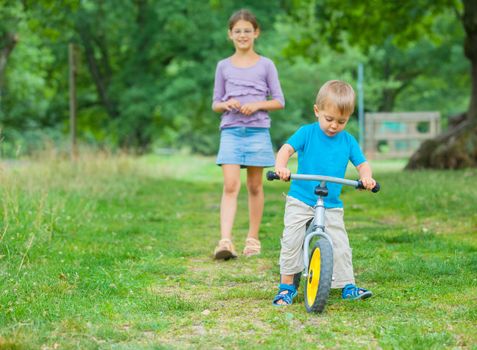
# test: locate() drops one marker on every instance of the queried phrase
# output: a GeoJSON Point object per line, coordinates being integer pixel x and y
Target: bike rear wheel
{"type": "Point", "coordinates": [318, 281]}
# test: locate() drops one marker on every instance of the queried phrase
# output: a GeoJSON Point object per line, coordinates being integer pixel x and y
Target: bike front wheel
{"type": "Point", "coordinates": [318, 281]}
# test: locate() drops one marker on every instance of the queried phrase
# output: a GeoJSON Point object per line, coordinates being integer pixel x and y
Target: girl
{"type": "Point", "coordinates": [246, 88]}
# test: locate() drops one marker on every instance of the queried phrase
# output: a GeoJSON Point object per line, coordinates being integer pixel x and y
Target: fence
{"type": "Point", "coordinates": [399, 134]}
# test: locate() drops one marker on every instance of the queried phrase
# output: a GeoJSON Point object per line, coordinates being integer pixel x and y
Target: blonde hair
{"type": "Point", "coordinates": [338, 94]}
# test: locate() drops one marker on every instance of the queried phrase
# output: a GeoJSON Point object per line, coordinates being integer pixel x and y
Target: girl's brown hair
{"type": "Point", "coordinates": [244, 15]}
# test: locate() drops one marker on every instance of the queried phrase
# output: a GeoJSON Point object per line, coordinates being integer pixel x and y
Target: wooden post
{"type": "Point", "coordinates": [72, 86]}
{"type": "Point", "coordinates": [362, 138]}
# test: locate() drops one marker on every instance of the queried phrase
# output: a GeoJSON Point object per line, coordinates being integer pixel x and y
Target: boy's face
{"type": "Point", "coordinates": [331, 120]}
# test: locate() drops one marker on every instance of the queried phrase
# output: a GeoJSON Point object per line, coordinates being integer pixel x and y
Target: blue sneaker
{"type": "Point", "coordinates": [351, 292]}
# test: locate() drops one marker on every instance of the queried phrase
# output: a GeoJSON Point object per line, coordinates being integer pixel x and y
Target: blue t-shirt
{"type": "Point", "coordinates": [320, 154]}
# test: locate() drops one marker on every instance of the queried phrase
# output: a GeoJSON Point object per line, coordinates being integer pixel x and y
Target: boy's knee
{"type": "Point", "coordinates": [291, 253]}
{"type": "Point", "coordinates": [290, 244]}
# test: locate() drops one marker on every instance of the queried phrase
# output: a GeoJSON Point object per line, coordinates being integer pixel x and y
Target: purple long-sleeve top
{"type": "Point", "coordinates": [252, 84]}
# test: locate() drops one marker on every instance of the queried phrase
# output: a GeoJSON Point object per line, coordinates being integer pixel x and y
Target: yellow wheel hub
{"type": "Point", "coordinates": [313, 279]}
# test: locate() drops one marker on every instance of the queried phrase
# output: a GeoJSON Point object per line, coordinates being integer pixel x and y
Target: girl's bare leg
{"type": "Point", "coordinates": [228, 205]}
{"type": "Point", "coordinates": [255, 199]}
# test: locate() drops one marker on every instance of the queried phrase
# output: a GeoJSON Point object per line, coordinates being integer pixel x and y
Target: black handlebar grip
{"type": "Point", "coordinates": [376, 188]}
{"type": "Point", "coordinates": [271, 175]}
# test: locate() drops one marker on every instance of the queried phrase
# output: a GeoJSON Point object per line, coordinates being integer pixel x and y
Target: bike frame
{"type": "Point", "coordinates": [317, 227]}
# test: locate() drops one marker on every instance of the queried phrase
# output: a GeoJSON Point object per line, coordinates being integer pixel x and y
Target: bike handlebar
{"type": "Point", "coordinates": [271, 175]}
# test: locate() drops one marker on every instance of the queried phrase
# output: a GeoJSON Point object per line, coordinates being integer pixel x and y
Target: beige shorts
{"type": "Point", "coordinates": [297, 214]}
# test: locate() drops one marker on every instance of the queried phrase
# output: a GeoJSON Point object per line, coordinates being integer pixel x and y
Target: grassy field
{"type": "Point", "coordinates": [116, 253]}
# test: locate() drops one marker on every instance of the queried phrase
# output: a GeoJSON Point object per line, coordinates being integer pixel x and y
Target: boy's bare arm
{"type": "Point", "coordinates": [281, 162]}
{"type": "Point", "coordinates": [366, 175]}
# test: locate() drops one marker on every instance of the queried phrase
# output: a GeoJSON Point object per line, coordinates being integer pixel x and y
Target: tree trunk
{"type": "Point", "coordinates": [99, 74]}
{"type": "Point", "coordinates": [469, 20]}
{"type": "Point", "coordinates": [455, 149]}
{"type": "Point", "coordinates": [458, 147]}
{"type": "Point", "coordinates": [7, 43]}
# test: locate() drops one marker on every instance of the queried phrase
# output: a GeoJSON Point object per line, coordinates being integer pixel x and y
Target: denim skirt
{"type": "Point", "coordinates": [246, 147]}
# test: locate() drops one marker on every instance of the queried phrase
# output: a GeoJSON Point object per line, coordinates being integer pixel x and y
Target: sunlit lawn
{"type": "Point", "coordinates": [116, 252]}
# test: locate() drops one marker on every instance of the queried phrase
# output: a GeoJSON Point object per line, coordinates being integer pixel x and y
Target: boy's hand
{"type": "Point", "coordinates": [284, 173]}
{"type": "Point", "coordinates": [368, 182]}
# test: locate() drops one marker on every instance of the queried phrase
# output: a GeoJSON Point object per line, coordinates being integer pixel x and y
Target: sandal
{"type": "Point", "coordinates": [286, 292]}
{"type": "Point", "coordinates": [252, 247]}
{"type": "Point", "coordinates": [225, 250]}
{"type": "Point", "coordinates": [351, 292]}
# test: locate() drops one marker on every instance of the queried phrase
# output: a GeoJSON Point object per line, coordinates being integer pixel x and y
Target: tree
{"type": "Point", "coordinates": [457, 148]}
{"type": "Point", "coordinates": [145, 72]}
{"type": "Point", "coordinates": [146, 68]}
{"type": "Point", "coordinates": [152, 64]}
{"type": "Point", "coordinates": [378, 22]}
{"type": "Point", "coordinates": [10, 17]}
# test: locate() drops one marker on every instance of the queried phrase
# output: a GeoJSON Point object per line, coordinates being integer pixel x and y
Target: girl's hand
{"type": "Point", "coordinates": [284, 173]}
{"type": "Point", "coordinates": [249, 108]}
{"type": "Point", "coordinates": [368, 182]}
{"type": "Point", "coordinates": [232, 104]}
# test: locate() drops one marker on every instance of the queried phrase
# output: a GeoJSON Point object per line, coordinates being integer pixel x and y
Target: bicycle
{"type": "Point", "coordinates": [318, 266]}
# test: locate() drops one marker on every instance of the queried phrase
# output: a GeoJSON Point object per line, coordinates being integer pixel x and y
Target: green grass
{"type": "Point", "coordinates": [115, 253]}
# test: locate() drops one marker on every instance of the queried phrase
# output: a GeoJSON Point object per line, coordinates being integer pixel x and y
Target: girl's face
{"type": "Point", "coordinates": [243, 35]}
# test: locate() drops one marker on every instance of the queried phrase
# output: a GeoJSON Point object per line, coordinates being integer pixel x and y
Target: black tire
{"type": "Point", "coordinates": [296, 280]}
{"type": "Point", "coordinates": [318, 289]}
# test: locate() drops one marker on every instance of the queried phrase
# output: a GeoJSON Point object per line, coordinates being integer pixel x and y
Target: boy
{"type": "Point", "coordinates": [324, 148]}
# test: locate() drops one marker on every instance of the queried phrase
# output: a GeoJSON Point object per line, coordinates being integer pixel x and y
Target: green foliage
{"type": "Point", "coordinates": [403, 47]}
{"type": "Point", "coordinates": [30, 141]}
{"type": "Point", "coordinates": [145, 68]}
